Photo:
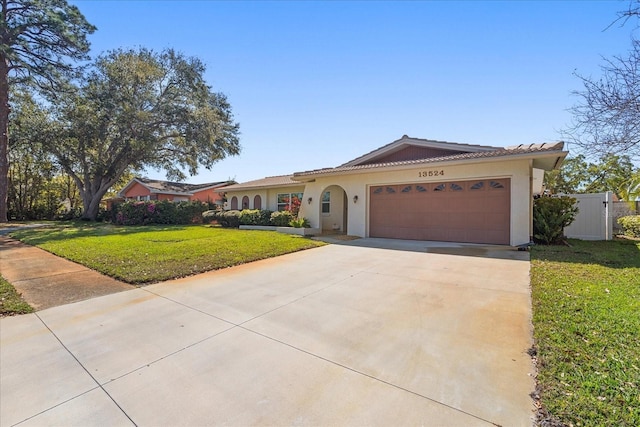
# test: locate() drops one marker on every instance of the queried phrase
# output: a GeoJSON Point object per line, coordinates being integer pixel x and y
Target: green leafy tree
{"type": "Point", "coordinates": [136, 109]}
{"type": "Point", "coordinates": [31, 169]}
{"type": "Point", "coordinates": [37, 38]}
{"type": "Point", "coordinates": [576, 175]}
{"type": "Point", "coordinates": [629, 190]}
{"type": "Point", "coordinates": [570, 178]}
{"type": "Point", "coordinates": [609, 174]}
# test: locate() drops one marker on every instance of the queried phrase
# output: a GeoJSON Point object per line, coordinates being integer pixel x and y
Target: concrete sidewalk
{"type": "Point", "coordinates": [337, 335]}
{"type": "Point", "coordinates": [45, 280]}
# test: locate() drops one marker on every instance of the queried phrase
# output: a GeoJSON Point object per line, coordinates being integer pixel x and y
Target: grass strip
{"type": "Point", "coordinates": [586, 316]}
{"type": "Point", "coordinates": [147, 254]}
{"type": "Point", "coordinates": [11, 302]}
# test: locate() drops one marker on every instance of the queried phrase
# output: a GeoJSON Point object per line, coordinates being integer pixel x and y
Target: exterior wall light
{"type": "Point", "coordinates": [355, 199]}
{"type": "Point", "coordinates": [309, 200]}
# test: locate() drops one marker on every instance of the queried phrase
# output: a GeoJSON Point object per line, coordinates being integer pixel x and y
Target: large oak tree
{"type": "Point", "coordinates": [37, 40]}
{"type": "Point", "coordinates": [136, 109]}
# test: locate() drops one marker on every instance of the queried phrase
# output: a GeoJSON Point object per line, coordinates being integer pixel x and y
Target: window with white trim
{"type": "Point", "coordinates": [326, 202]}
{"type": "Point", "coordinates": [289, 202]}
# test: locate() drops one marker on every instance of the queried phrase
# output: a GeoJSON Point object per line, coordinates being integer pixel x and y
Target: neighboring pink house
{"type": "Point", "coordinates": [151, 189]}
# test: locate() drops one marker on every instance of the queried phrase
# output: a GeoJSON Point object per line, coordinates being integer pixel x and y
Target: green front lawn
{"type": "Point", "coordinates": [146, 254]}
{"type": "Point", "coordinates": [10, 300]}
{"type": "Point", "coordinates": [586, 316]}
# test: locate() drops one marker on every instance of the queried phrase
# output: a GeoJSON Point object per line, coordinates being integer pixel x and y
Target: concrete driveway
{"type": "Point", "coordinates": [370, 332]}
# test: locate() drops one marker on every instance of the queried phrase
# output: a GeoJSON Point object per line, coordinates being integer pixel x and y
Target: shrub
{"type": "Point", "coordinates": [158, 212]}
{"type": "Point", "coordinates": [265, 217]}
{"type": "Point", "coordinates": [630, 225]}
{"type": "Point", "coordinates": [550, 216]}
{"type": "Point", "coordinates": [249, 217]}
{"type": "Point", "coordinates": [299, 223]}
{"type": "Point", "coordinates": [228, 219]}
{"type": "Point", "coordinates": [209, 216]}
{"type": "Point", "coordinates": [281, 218]}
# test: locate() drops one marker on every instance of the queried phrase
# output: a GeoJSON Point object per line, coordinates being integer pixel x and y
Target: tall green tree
{"type": "Point", "coordinates": [37, 40]}
{"type": "Point", "coordinates": [31, 169]}
{"type": "Point", "coordinates": [136, 109]}
{"type": "Point", "coordinates": [610, 173]}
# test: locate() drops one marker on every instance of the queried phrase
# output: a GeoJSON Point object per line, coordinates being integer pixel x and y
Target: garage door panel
{"type": "Point", "coordinates": [476, 211]}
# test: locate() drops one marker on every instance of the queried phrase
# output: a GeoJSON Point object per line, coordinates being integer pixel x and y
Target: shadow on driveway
{"type": "Point", "coordinates": [444, 248]}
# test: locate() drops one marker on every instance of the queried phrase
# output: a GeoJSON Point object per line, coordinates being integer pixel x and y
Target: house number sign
{"type": "Point", "coordinates": [434, 172]}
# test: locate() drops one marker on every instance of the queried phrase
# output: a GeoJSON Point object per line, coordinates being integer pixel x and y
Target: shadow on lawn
{"type": "Point", "coordinates": [617, 253]}
{"type": "Point", "coordinates": [78, 229]}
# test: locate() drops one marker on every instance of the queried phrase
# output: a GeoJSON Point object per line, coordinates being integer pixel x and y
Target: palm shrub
{"type": "Point", "coordinates": [551, 215]}
{"type": "Point", "coordinates": [630, 225]}
{"type": "Point", "coordinates": [299, 223]}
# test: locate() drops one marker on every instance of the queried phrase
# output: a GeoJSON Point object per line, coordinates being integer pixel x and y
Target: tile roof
{"type": "Point", "coordinates": [271, 181]}
{"type": "Point", "coordinates": [177, 187]}
{"type": "Point", "coordinates": [496, 152]}
{"type": "Point", "coordinates": [407, 140]}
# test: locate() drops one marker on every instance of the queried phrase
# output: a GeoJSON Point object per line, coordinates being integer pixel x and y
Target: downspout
{"type": "Point", "coordinates": [531, 200]}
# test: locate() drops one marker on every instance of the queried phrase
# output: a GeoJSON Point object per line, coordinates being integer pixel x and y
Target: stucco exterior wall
{"type": "Point", "coordinates": [358, 185]}
{"type": "Point", "coordinates": [269, 196]}
{"type": "Point", "coordinates": [161, 196]}
{"type": "Point", "coordinates": [209, 195]}
{"type": "Point", "coordinates": [538, 181]}
{"type": "Point", "coordinates": [357, 213]}
{"type": "Point", "coordinates": [137, 190]}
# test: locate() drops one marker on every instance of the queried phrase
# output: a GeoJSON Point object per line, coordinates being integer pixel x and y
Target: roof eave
{"type": "Point", "coordinates": [554, 157]}
{"type": "Point", "coordinates": [258, 187]}
{"type": "Point", "coordinates": [171, 193]}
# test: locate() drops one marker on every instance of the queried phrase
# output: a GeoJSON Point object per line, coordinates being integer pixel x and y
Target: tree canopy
{"type": "Point", "coordinates": [606, 117]}
{"type": "Point", "coordinates": [135, 109]}
{"type": "Point", "coordinates": [607, 111]}
{"type": "Point", "coordinates": [37, 40]}
{"type": "Point", "coordinates": [611, 173]}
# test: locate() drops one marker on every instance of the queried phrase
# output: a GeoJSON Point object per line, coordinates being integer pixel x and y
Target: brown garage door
{"type": "Point", "coordinates": [457, 211]}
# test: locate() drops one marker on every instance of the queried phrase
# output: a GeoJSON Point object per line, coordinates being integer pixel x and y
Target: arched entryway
{"type": "Point", "coordinates": [245, 202]}
{"type": "Point", "coordinates": [333, 210]}
{"type": "Point", "coordinates": [234, 203]}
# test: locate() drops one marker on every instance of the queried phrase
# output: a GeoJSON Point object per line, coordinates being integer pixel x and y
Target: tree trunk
{"type": "Point", "coordinates": [91, 202]}
{"type": "Point", "coordinates": [91, 207]}
{"type": "Point", "coordinates": [4, 138]}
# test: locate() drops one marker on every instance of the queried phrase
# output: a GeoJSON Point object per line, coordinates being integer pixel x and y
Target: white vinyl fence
{"type": "Point", "coordinates": [595, 217]}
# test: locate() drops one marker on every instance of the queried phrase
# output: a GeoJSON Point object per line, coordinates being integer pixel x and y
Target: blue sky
{"type": "Point", "coordinates": [316, 84]}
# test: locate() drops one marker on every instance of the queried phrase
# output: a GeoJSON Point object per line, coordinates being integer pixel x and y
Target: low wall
{"type": "Point", "coordinates": [285, 230]}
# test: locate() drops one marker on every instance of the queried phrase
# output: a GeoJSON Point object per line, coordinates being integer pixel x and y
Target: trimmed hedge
{"type": "Point", "coordinates": [630, 225]}
{"type": "Point", "coordinates": [158, 212]}
{"type": "Point", "coordinates": [255, 217]}
{"type": "Point", "coordinates": [266, 217]}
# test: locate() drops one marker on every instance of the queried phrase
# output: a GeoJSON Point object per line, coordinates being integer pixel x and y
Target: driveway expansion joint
{"type": "Point", "coordinates": [98, 385]}
{"type": "Point", "coordinates": [356, 371]}
{"type": "Point", "coordinates": [65, 273]}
